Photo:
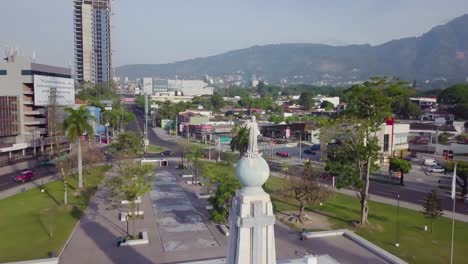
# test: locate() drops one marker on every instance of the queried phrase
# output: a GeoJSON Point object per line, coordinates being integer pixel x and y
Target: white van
{"type": "Point", "coordinates": [430, 162]}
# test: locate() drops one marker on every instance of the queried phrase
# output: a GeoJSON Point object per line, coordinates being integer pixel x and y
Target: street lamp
{"type": "Point", "coordinates": [300, 147]}
{"type": "Point", "coordinates": [397, 231]}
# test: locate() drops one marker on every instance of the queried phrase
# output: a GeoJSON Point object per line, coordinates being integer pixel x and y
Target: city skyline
{"type": "Point", "coordinates": [148, 32]}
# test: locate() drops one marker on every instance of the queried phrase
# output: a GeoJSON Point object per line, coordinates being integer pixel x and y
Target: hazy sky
{"type": "Point", "coordinates": [156, 31]}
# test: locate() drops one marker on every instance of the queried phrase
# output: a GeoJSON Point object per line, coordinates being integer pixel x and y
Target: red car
{"type": "Point", "coordinates": [25, 176]}
{"type": "Point", "coordinates": [283, 154]}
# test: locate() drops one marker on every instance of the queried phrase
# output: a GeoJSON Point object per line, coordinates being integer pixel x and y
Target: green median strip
{"type": "Point", "coordinates": [416, 245]}
{"type": "Point", "coordinates": [36, 225]}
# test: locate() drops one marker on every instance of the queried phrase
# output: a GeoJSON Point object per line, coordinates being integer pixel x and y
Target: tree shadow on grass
{"type": "Point", "coordinates": [370, 216]}
{"type": "Point", "coordinates": [51, 197]}
{"type": "Point", "coordinates": [349, 222]}
{"type": "Point", "coordinates": [76, 212]}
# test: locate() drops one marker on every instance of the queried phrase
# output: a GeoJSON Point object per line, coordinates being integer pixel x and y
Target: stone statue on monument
{"type": "Point", "coordinates": [254, 132]}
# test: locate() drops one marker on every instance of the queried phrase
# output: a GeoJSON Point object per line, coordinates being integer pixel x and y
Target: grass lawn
{"type": "Point", "coordinates": [216, 169]}
{"type": "Point", "coordinates": [33, 224]}
{"type": "Point", "coordinates": [155, 149]}
{"type": "Point", "coordinates": [416, 246]}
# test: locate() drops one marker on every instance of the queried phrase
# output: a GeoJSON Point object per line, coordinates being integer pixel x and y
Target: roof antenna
{"type": "Point", "coordinates": [33, 57]}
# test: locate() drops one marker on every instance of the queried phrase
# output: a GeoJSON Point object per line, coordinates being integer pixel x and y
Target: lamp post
{"type": "Point", "coordinates": [300, 147]}
{"type": "Point", "coordinates": [397, 230]}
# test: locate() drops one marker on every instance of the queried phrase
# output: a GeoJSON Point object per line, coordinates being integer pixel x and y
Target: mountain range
{"type": "Point", "coordinates": [441, 53]}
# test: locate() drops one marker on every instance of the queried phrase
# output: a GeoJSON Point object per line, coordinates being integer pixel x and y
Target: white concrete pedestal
{"type": "Point", "coordinates": [252, 222]}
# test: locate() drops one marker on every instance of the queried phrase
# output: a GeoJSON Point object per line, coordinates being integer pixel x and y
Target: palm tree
{"type": "Point", "coordinates": [75, 125]}
{"type": "Point", "coordinates": [241, 141]}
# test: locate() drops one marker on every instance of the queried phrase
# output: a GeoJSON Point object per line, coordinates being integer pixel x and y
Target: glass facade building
{"type": "Point", "coordinates": [92, 41]}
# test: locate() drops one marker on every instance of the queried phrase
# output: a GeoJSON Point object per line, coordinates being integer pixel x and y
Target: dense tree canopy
{"type": "Point", "coordinates": [457, 94]}
{"type": "Point", "coordinates": [307, 100]}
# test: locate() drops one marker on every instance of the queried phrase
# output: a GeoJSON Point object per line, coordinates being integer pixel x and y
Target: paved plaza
{"type": "Point", "coordinates": [180, 225]}
{"type": "Point", "coordinates": [179, 230]}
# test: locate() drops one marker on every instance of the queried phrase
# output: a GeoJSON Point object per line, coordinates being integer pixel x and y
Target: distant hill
{"type": "Point", "coordinates": [440, 53]}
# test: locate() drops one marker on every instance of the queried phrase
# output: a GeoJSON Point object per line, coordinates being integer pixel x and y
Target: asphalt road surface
{"type": "Point", "coordinates": [7, 182]}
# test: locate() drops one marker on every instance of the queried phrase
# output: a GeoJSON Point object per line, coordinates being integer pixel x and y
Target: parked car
{"type": "Point", "coordinates": [430, 162]}
{"type": "Point", "coordinates": [167, 153]}
{"type": "Point", "coordinates": [438, 169]}
{"type": "Point", "coordinates": [25, 176]}
{"type": "Point", "coordinates": [308, 151]}
{"type": "Point", "coordinates": [47, 162]}
{"type": "Point", "coordinates": [283, 154]}
{"type": "Point", "coordinates": [315, 147]}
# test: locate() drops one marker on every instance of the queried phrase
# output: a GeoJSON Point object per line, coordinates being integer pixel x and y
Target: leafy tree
{"type": "Point", "coordinates": [400, 165]}
{"type": "Point", "coordinates": [240, 141]}
{"type": "Point", "coordinates": [444, 138]}
{"type": "Point", "coordinates": [460, 111]}
{"type": "Point", "coordinates": [193, 156]}
{"type": "Point", "coordinates": [399, 92]}
{"type": "Point", "coordinates": [456, 94]}
{"type": "Point", "coordinates": [327, 105]}
{"type": "Point", "coordinates": [404, 108]}
{"type": "Point", "coordinates": [222, 199]}
{"type": "Point", "coordinates": [140, 101]}
{"type": "Point", "coordinates": [432, 207]}
{"type": "Point", "coordinates": [276, 119]}
{"type": "Point", "coordinates": [75, 125]}
{"type": "Point", "coordinates": [305, 188]}
{"type": "Point", "coordinates": [284, 168]}
{"type": "Point", "coordinates": [261, 88]}
{"type": "Point", "coordinates": [118, 118]}
{"type": "Point", "coordinates": [217, 101]}
{"type": "Point", "coordinates": [359, 151]}
{"type": "Point", "coordinates": [133, 182]}
{"type": "Point", "coordinates": [307, 100]}
{"type": "Point", "coordinates": [127, 145]}
{"type": "Point", "coordinates": [53, 112]}
{"type": "Point", "coordinates": [100, 91]}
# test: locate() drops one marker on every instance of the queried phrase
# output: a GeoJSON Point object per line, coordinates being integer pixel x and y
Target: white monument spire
{"type": "Point", "coordinates": [251, 219]}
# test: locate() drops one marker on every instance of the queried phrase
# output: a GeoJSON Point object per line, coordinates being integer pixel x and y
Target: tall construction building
{"type": "Point", "coordinates": [92, 41]}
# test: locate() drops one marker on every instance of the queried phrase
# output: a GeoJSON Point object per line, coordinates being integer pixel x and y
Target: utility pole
{"type": "Point", "coordinates": [300, 147]}
{"type": "Point", "coordinates": [219, 148]}
{"type": "Point", "coordinates": [34, 141]}
{"type": "Point", "coordinates": [146, 123]}
{"type": "Point", "coordinates": [176, 126]}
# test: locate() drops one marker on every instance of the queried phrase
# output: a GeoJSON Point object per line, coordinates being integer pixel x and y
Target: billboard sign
{"type": "Point", "coordinates": [148, 85]}
{"type": "Point", "coordinates": [64, 87]}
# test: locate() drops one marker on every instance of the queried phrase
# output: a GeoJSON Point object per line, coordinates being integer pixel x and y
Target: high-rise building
{"type": "Point", "coordinates": [92, 40]}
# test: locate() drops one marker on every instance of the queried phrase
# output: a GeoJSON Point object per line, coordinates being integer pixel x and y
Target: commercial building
{"type": "Point", "coordinates": [307, 131]}
{"type": "Point", "coordinates": [171, 96]}
{"type": "Point", "coordinates": [25, 93]}
{"type": "Point", "coordinates": [335, 100]}
{"type": "Point", "coordinates": [392, 139]}
{"type": "Point", "coordinates": [92, 40]}
{"type": "Point", "coordinates": [182, 87]}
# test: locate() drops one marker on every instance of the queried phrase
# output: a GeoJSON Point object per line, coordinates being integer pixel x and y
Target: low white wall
{"type": "Point", "coordinates": [37, 261]}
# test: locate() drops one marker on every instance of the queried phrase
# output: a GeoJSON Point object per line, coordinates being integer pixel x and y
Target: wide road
{"type": "Point", "coordinates": [137, 126]}
{"type": "Point", "coordinates": [6, 180]}
{"type": "Point", "coordinates": [416, 197]}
